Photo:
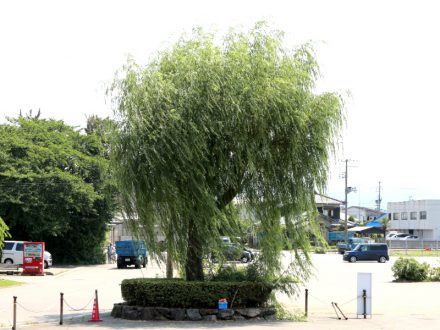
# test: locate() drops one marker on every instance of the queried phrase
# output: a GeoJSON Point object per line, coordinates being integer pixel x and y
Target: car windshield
{"type": "Point", "coordinates": [357, 247]}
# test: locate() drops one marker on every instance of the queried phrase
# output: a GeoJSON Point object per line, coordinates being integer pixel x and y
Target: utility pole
{"type": "Point", "coordinates": [345, 203]}
{"type": "Point", "coordinates": [379, 200]}
{"type": "Point", "coordinates": [347, 191]}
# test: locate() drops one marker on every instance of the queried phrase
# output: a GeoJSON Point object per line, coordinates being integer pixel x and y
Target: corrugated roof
{"type": "Point", "coordinates": [325, 200]}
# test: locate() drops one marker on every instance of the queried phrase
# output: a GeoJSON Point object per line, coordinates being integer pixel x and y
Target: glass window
{"type": "Point", "coordinates": [396, 216]}
{"type": "Point", "coordinates": [8, 246]}
{"type": "Point", "coordinates": [404, 215]}
{"type": "Point", "coordinates": [413, 215]}
{"type": "Point", "coordinates": [19, 247]}
{"type": "Point", "coordinates": [422, 215]}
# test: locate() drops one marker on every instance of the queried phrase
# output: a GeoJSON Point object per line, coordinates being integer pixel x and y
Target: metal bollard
{"type": "Point", "coordinates": [364, 296]}
{"type": "Point", "coordinates": [307, 303]}
{"type": "Point", "coordinates": [14, 318]}
{"type": "Point", "coordinates": [61, 307]}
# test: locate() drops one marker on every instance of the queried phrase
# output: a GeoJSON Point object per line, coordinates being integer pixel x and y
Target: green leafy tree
{"type": "Point", "coordinates": [55, 187]}
{"type": "Point", "coordinates": [4, 233]}
{"type": "Point", "coordinates": [385, 222]}
{"type": "Point", "coordinates": [206, 123]}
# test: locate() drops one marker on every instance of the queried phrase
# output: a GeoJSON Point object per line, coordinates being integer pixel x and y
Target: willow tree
{"type": "Point", "coordinates": [207, 123]}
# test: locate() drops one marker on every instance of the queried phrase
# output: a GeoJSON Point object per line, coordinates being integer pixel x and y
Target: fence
{"type": "Point", "coordinates": [413, 244]}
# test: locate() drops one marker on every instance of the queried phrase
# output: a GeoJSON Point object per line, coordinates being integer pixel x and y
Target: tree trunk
{"type": "Point", "coordinates": [194, 266]}
{"type": "Point", "coordinates": [169, 265]}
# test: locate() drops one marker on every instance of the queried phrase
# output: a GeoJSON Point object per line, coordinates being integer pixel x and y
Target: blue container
{"type": "Point", "coordinates": [222, 305]}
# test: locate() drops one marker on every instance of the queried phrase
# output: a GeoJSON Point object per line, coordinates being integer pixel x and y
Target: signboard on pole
{"type": "Point", "coordinates": [364, 303]}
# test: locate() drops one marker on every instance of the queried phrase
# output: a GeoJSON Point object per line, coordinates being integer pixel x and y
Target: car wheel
{"type": "Point", "coordinates": [382, 259]}
{"type": "Point", "coordinates": [244, 259]}
{"type": "Point", "coordinates": [46, 265]}
{"type": "Point", "coordinates": [8, 261]}
{"type": "Point", "coordinates": [144, 264]}
{"type": "Point", "coordinates": [353, 259]}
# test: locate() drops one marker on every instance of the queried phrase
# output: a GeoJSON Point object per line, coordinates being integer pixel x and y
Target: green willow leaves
{"type": "Point", "coordinates": [208, 126]}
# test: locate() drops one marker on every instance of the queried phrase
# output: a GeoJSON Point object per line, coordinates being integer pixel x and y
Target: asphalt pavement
{"type": "Point", "coordinates": [314, 323]}
{"type": "Point", "coordinates": [395, 305]}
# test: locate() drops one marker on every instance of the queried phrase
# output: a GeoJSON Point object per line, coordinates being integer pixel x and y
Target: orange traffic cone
{"type": "Point", "coordinates": [95, 312]}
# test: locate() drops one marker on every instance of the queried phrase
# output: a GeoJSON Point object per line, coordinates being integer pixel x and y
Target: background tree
{"type": "Point", "coordinates": [55, 187]}
{"type": "Point", "coordinates": [206, 123]}
{"type": "Point", "coordinates": [4, 233]}
{"type": "Point", "coordinates": [385, 221]}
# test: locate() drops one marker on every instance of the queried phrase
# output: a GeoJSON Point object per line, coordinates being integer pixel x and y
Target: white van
{"type": "Point", "coordinates": [13, 254]}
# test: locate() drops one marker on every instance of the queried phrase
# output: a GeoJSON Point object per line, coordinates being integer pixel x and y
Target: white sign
{"type": "Point", "coordinates": [364, 283]}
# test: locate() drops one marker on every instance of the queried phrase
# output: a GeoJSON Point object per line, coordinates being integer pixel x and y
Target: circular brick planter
{"type": "Point", "coordinates": [191, 314]}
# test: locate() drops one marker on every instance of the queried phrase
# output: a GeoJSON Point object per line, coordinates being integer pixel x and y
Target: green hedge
{"type": "Point", "coordinates": [174, 293]}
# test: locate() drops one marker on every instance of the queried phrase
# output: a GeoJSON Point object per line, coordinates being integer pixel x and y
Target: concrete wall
{"type": "Point", "coordinates": [428, 228]}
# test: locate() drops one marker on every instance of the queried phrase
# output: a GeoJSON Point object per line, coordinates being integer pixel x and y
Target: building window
{"type": "Point", "coordinates": [389, 216]}
{"type": "Point", "coordinates": [422, 215]}
{"type": "Point", "coordinates": [404, 215]}
{"type": "Point", "coordinates": [396, 216]}
{"type": "Point", "coordinates": [413, 215]}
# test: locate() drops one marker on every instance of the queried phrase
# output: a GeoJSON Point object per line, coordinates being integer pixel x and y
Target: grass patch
{"type": "Point", "coordinates": [414, 253]}
{"type": "Point", "coordinates": [8, 283]}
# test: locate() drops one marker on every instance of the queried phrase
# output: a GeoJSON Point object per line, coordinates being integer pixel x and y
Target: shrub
{"type": "Point", "coordinates": [434, 274]}
{"type": "Point", "coordinates": [320, 250]}
{"type": "Point", "coordinates": [175, 293]}
{"type": "Point", "coordinates": [251, 273]}
{"type": "Point", "coordinates": [256, 272]}
{"type": "Point", "coordinates": [410, 269]}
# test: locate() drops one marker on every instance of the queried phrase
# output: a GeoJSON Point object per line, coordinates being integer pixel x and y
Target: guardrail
{"type": "Point", "coordinates": [413, 244]}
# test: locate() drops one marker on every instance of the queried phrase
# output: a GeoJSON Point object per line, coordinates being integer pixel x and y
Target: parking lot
{"type": "Point", "coordinates": [336, 281]}
{"type": "Point", "coordinates": [394, 305]}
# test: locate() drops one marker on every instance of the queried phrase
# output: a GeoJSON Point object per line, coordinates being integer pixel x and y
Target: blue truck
{"type": "Point", "coordinates": [352, 242]}
{"type": "Point", "coordinates": [131, 252]}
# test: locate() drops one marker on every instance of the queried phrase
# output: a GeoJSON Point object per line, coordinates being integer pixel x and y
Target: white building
{"type": "Point", "coordinates": [363, 214]}
{"type": "Point", "coordinates": [421, 218]}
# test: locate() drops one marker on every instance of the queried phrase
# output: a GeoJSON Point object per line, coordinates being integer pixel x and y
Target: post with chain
{"type": "Point", "coordinates": [307, 303]}
{"type": "Point", "coordinates": [61, 307]}
{"type": "Point", "coordinates": [364, 296]}
{"type": "Point", "coordinates": [14, 318]}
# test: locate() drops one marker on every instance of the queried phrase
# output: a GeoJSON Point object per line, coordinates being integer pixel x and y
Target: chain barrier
{"type": "Point", "coordinates": [316, 298]}
{"type": "Point", "coordinates": [347, 302]}
{"type": "Point", "coordinates": [328, 303]}
{"type": "Point", "coordinates": [78, 309]}
{"type": "Point", "coordinates": [35, 312]}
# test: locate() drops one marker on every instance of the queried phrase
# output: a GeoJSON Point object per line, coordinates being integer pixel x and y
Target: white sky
{"type": "Point", "coordinates": [60, 56]}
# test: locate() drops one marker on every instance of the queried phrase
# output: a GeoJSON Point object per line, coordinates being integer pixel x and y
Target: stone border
{"type": "Point", "coordinates": [191, 314]}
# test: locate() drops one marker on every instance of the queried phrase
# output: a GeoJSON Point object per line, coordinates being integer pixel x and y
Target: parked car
{"type": "Point", "coordinates": [13, 254]}
{"type": "Point", "coordinates": [391, 234]}
{"type": "Point", "coordinates": [235, 252]}
{"type": "Point", "coordinates": [225, 239]}
{"type": "Point", "coordinates": [410, 237]}
{"type": "Point", "coordinates": [399, 236]}
{"type": "Point", "coordinates": [368, 252]}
